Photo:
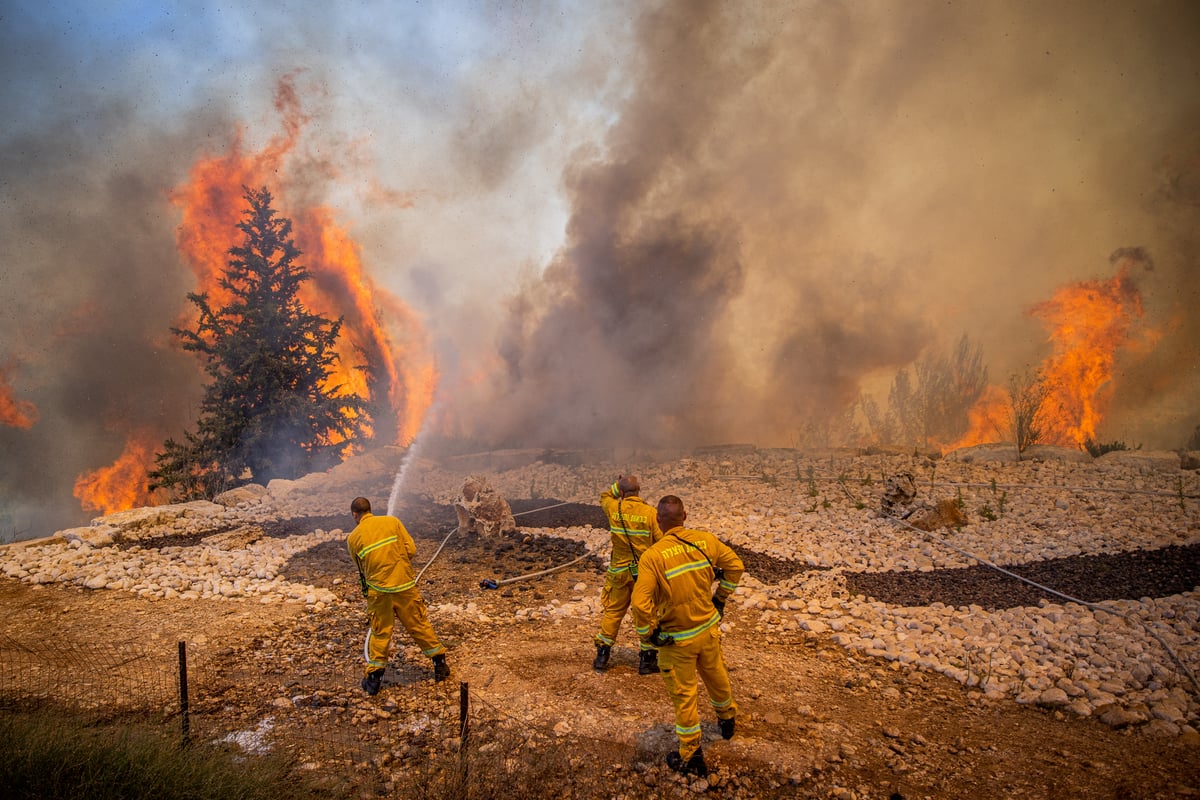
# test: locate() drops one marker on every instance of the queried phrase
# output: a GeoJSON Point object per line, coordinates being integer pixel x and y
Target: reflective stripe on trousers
{"type": "Point", "coordinates": [383, 609]}
{"type": "Point", "coordinates": [615, 598]}
{"type": "Point", "coordinates": [683, 666]}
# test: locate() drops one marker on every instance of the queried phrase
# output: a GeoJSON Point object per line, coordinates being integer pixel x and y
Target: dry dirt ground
{"type": "Point", "coordinates": [814, 721]}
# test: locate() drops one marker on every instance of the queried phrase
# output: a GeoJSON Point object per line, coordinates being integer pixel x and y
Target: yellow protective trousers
{"type": "Point", "coordinates": [614, 602]}
{"type": "Point", "coordinates": [383, 609]}
{"type": "Point", "coordinates": [683, 666]}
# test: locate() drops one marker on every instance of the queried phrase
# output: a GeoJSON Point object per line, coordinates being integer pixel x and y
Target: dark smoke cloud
{"type": "Point", "coordinates": [1160, 380]}
{"type": "Point", "coordinates": [90, 306]}
{"type": "Point", "coordinates": [91, 283]}
{"type": "Point", "coordinates": [795, 203]}
{"type": "Point", "coordinates": [632, 308]}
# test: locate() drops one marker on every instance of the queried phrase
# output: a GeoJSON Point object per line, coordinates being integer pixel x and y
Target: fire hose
{"type": "Point", "coordinates": [491, 584]}
{"type": "Point", "coordinates": [1094, 606]}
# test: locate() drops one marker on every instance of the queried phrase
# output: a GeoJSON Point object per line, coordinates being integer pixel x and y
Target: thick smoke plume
{"type": "Point", "coordinates": [791, 207]}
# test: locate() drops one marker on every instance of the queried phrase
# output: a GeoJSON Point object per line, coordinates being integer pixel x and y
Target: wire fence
{"type": "Point", "coordinates": [153, 684]}
{"type": "Point", "coordinates": [97, 681]}
{"type": "Point", "coordinates": [417, 739]}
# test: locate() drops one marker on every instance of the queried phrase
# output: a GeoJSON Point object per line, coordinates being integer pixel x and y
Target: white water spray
{"type": "Point", "coordinates": [409, 455]}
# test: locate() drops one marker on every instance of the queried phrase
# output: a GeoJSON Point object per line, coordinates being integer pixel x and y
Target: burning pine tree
{"type": "Point", "coordinates": [272, 409]}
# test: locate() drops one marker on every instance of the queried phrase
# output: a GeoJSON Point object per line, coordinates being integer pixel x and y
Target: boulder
{"type": "Point", "coordinates": [1049, 452]}
{"type": "Point", "coordinates": [899, 501]}
{"type": "Point", "coordinates": [367, 468]}
{"type": "Point", "coordinates": [899, 491]}
{"type": "Point", "coordinates": [150, 516]}
{"type": "Point", "coordinates": [250, 493]}
{"type": "Point", "coordinates": [946, 514]}
{"type": "Point", "coordinates": [985, 454]}
{"type": "Point", "coordinates": [280, 488]}
{"type": "Point", "coordinates": [1117, 717]}
{"type": "Point", "coordinates": [1053, 697]}
{"type": "Point", "coordinates": [238, 539]}
{"type": "Point", "coordinates": [96, 535]}
{"type": "Point", "coordinates": [481, 509]}
{"type": "Point", "coordinates": [1144, 461]}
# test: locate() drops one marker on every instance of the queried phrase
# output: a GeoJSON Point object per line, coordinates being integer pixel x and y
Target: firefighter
{"type": "Point", "coordinates": [382, 550]}
{"type": "Point", "coordinates": [633, 526]}
{"type": "Point", "coordinates": [676, 608]}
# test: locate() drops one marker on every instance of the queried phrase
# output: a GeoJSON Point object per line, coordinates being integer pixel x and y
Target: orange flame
{"type": "Point", "coordinates": [123, 484]}
{"type": "Point", "coordinates": [212, 204]}
{"type": "Point", "coordinates": [989, 418]}
{"type": "Point", "coordinates": [13, 412]}
{"type": "Point", "coordinates": [1088, 322]}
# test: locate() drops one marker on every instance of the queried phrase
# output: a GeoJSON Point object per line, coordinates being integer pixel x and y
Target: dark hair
{"type": "Point", "coordinates": [671, 507]}
{"type": "Point", "coordinates": [360, 505]}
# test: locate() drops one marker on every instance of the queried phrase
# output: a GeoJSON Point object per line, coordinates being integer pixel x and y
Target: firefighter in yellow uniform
{"type": "Point", "coordinates": [382, 549]}
{"type": "Point", "coordinates": [633, 526]}
{"type": "Point", "coordinates": [676, 608]}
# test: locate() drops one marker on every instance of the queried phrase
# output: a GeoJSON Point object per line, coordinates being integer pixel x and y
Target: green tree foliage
{"type": "Point", "coordinates": [882, 425]}
{"type": "Point", "coordinates": [269, 410]}
{"type": "Point", "coordinates": [1096, 449]}
{"type": "Point", "coordinates": [935, 406]}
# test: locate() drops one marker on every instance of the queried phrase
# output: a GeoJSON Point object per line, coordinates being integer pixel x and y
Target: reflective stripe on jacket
{"type": "Point", "coordinates": [676, 576]}
{"type": "Point", "coordinates": [383, 551]}
{"type": "Point", "coordinates": [633, 526]}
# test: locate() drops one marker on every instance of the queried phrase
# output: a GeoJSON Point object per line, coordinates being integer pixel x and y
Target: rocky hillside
{"type": "Point", "coordinates": [868, 653]}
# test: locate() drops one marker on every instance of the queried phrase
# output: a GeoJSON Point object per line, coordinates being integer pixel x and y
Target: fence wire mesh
{"type": "Point", "coordinates": [417, 739]}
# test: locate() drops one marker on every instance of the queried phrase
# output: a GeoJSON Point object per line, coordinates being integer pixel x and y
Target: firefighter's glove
{"type": "Point", "coordinates": [660, 639]}
{"type": "Point", "coordinates": [362, 584]}
{"type": "Point", "coordinates": [719, 605]}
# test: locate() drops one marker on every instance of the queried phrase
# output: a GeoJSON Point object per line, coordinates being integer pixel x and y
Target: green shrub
{"type": "Point", "coordinates": [1097, 449]}
{"type": "Point", "coordinates": [55, 755]}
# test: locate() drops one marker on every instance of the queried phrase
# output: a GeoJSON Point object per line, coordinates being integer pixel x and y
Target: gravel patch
{"type": "Point", "coordinates": [1096, 578]}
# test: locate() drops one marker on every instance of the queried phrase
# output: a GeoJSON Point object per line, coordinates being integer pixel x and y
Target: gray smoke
{"type": "Point", "coordinates": [794, 204]}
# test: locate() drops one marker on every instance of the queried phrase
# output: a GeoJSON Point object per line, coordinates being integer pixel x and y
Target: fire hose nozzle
{"type": "Point", "coordinates": [488, 583]}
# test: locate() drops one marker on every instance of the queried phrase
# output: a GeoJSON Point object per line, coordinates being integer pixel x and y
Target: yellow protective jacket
{"type": "Point", "coordinates": [383, 551]}
{"type": "Point", "coordinates": [675, 578]}
{"type": "Point", "coordinates": [633, 524]}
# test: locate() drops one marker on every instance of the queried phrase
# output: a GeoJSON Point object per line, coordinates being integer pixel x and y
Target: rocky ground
{"type": "Point", "coordinates": [868, 660]}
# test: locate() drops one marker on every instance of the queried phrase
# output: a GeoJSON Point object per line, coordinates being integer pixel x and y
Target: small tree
{"type": "Point", "coordinates": [904, 405]}
{"type": "Point", "coordinates": [270, 410]}
{"type": "Point", "coordinates": [936, 406]}
{"type": "Point", "coordinates": [1028, 392]}
{"type": "Point", "coordinates": [882, 426]}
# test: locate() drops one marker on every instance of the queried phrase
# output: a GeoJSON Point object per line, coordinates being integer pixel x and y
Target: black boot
{"type": "Point", "coordinates": [603, 651]}
{"type": "Point", "coordinates": [441, 670]}
{"type": "Point", "coordinates": [726, 726]}
{"type": "Point", "coordinates": [693, 766]}
{"type": "Point", "coordinates": [372, 683]}
{"type": "Point", "coordinates": [647, 662]}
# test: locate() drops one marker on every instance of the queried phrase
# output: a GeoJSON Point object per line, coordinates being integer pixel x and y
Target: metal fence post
{"type": "Point", "coordinates": [464, 730]}
{"type": "Point", "coordinates": [183, 693]}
